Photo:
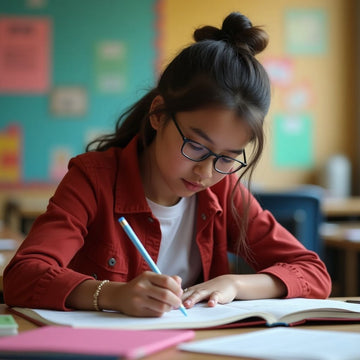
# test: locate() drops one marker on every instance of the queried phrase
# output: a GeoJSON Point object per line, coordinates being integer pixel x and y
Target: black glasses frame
{"type": "Point", "coordinates": [209, 153]}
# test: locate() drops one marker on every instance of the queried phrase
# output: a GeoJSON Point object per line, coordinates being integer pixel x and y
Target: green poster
{"type": "Point", "coordinates": [306, 31]}
{"type": "Point", "coordinates": [110, 66]}
{"type": "Point", "coordinates": [293, 140]}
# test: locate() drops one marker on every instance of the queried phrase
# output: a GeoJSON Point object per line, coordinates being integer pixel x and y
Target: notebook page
{"type": "Point", "coordinates": [283, 343]}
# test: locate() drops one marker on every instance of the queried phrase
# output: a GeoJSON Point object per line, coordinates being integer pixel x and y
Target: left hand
{"type": "Point", "coordinates": [226, 288]}
{"type": "Point", "coordinates": [221, 289]}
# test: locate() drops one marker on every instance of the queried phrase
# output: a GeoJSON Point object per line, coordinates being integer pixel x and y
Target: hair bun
{"type": "Point", "coordinates": [238, 30]}
{"type": "Point", "coordinates": [208, 33]}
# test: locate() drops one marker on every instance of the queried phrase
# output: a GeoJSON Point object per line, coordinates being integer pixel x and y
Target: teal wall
{"type": "Point", "coordinates": [77, 26]}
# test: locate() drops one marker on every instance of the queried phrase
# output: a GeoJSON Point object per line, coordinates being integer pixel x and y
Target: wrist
{"type": "Point", "coordinates": [98, 294]}
{"type": "Point", "coordinates": [110, 296]}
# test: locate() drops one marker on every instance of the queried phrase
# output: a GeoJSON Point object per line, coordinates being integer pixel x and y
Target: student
{"type": "Point", "coordinates": [173, 169]}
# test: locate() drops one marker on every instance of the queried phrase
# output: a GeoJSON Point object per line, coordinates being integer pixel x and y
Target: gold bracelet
{"type": "Point", "coordinates": [96, 295]}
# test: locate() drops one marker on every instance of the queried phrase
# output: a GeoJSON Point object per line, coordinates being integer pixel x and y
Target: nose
{"type": "Point", "coordinates": [204, 168]}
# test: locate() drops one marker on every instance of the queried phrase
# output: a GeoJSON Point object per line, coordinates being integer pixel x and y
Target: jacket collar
{"type": "Point", "coordinates": [129, 191]}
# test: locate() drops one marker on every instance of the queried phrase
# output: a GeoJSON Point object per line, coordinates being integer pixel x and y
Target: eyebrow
{"type": "Point", "coordinates": [207, 138]}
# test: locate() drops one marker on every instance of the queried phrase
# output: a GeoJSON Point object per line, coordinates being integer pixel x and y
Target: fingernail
{"type": "Point", "coordinates": [187, 302]}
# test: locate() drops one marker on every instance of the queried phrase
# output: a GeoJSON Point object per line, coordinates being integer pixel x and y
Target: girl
{"type": "Point", "coordinates": [172, 169]}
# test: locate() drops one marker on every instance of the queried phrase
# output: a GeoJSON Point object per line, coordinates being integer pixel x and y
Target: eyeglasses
{"type": "Point", "coordinates": [197, 152]}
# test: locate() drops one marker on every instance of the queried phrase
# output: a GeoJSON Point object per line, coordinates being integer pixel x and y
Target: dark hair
{"type": "Point", "coordinates": [218, 70]}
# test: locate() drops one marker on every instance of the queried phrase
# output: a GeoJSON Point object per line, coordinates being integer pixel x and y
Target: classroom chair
{"type": "Point", "coordinates": [299, 211]}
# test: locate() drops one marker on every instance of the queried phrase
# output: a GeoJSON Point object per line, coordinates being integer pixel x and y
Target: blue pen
{"type": "Point", "coordinates": [136, 241]}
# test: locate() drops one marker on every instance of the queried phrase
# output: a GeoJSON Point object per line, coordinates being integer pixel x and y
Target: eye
{"type": "Point", "coordinates": [195, 146]}
{"type": "Point", "coordinates": [226, 160]}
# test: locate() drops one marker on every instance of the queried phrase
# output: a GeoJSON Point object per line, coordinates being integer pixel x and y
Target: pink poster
{"type": "Point", "coordinates": [24, 54]}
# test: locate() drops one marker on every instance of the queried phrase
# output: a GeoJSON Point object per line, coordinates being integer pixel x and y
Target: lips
{"type": "Point", "coordinates": [192, 186]}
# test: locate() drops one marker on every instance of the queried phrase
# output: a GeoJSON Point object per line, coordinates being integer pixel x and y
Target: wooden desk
{"type": "Point", "coordinates": [338, 239]}
{"type": "Point", "coordinates": [174, 354]}
{"type": "Point", "coordinates": [347, 207]}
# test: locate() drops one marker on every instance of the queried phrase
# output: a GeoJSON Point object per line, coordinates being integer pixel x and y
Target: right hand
{"type": "Point", "coordinates": [147, 295]}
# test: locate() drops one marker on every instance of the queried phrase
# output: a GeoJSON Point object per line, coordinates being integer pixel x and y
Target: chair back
{"type": "Point", "coordinates": [299, 212]}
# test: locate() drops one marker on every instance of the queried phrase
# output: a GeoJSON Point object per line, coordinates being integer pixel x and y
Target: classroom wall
{"type": "Point", "coordinates": [313, 111]}
{"type": "Point", "coordinates": [101, 52]}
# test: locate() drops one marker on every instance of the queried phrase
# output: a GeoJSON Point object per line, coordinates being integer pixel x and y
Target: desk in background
{"type": "Point", "coordinates": [20, 213]}
{"type": "Point", "coordinates": [7, 255]}
{"type": "Point", "coordinates": [343, 215]}
{"type": "Point", "coordinates": [174, 354]}
{"type": "Point", "coordinates": [341, 208]}
{"type": "Point", "coordinates": [339, 238]}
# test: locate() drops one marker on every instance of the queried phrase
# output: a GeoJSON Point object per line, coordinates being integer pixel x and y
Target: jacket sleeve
{"type": "Point", "coordinates": [38, 275]}
{"type": "Point", "coordinates": [274, 250]}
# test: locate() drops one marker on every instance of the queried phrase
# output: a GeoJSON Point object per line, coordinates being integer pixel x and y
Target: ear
{"type": "Point", "coordinates": [156, 119]}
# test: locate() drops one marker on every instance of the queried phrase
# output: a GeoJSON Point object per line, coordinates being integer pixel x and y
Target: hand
{"type": "Point", "coordinates": [149, 294]}
{"type": "Point", "coordinates": [221, 289]}
{"type": "Point", "coordinates": [224, 289]}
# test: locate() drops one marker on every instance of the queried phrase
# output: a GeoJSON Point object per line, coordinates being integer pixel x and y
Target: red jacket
{"type": "Point", "coordinates": [79, 236]}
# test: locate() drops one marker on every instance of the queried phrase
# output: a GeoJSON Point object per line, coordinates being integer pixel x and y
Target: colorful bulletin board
{"type": "Point", "coordinates": [67, 71]}
{"type": "Point", "coordinates": [10, 154]}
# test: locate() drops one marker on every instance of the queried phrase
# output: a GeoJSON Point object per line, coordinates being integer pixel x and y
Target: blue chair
{"type": "Point", "coordinates": [299, 211]}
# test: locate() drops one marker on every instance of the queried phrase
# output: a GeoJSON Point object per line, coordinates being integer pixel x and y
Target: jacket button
{"type": "Point", "coordinates": [94, 276]}
{"type": "Point", "coordinates": [112, 261]}
{"type": "Point", "coordinates": [150, 219]}
{"type": "Point", "coordinates": [203, 216]}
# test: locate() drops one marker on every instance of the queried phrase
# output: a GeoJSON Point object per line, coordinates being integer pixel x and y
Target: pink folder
{"type": "Point", "coordinates": [49, 341]}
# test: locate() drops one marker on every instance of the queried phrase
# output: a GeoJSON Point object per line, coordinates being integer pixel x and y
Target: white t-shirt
{"type": "Point", "coordinates": [179, 253]}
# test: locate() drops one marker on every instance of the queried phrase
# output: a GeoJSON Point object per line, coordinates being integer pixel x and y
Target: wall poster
{"type": "Point", "coordinates": [24, 54]}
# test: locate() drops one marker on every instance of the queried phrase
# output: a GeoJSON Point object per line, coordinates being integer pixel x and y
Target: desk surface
{"type": "Point", "coordinates": [342, 207]}
{"type": "Point", "coordinates": [174, 354]}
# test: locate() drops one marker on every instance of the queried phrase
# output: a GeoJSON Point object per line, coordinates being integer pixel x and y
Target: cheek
{"type": "Point", "coordinates": [169, 156]}
{"type": "Point", "coordinates": [216, 177]}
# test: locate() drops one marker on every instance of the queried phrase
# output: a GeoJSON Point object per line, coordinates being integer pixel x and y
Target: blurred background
{"type": "Point", "coordinates": [68, 68]}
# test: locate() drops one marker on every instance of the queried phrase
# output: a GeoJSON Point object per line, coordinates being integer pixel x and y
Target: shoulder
{"type": "Point", "coordinates": [96, 159]}
{"type": "Point", "coordinates": [95, 168]}
{"type": "Point", "coordinates": [232, 191]}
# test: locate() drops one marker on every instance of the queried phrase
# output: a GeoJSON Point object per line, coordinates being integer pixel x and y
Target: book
{"type": "Point", "coordinates": [300, 344]}
{"type": "Point", "coordinates": [62, 342]}
{"type": "Point", "coordinates": [8, 325]}
{"type": "Point", "coordinates": [237, 313]}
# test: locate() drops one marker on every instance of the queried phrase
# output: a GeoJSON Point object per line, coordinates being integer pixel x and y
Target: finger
{"type": "Point", "coordinates": [167, 282]}
{"type": "Point", "coordinates": [213, 299]}
{"type": "Point", "coordinates": [165, 296]}
{"type": "Point", "coordinates": [158, 287]}
{"type": "Point", "coordinates": [161, 288]}
{"type": "Point", "coordinates": [195, 297]}
{"type": "Point", "coordinates": [152, 308]}
{"type": "Point", "coordinates": [177, 279]}
{"type": "Point", "coordinates": [186, 293]}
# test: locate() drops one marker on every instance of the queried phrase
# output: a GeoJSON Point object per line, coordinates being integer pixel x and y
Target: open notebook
{"type": "Point", "coordinates": [282, 344]}
{"type": "Point", "coordinates": [238, 313]}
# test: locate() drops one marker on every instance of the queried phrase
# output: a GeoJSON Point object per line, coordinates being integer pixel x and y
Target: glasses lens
{"type": "Point", "coordinates": [195, 151]}
{"type": "Point", "coordinates": [227, 165]}
{"type": "Point", "coordinates": [223, 164]}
